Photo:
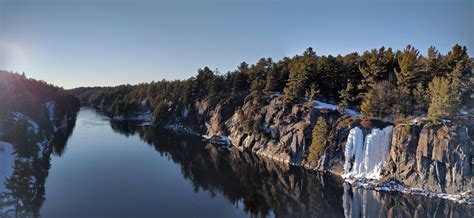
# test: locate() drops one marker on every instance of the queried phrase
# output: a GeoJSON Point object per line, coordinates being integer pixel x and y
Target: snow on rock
{"type": "Point", "coordinates": [41, 147]}
{"type": "Point", "coordinates": [393, 186]}
{"type": "Point", "coordinates": [218, 140]}
{"type": "Point", "coordinates": [7, 158]}
{"type": "Point", "coordinates": [179, 128]}
{"type": "Point", "coordinates": [364, 158]}
{"type": "Point", "coordinates": [18, 117]}
{"type": "Point", "coordinates": [146, 117]}
{"type": "Point", "coordinates": [323, 105]}
{"type": "Point", "coordinates": [50, 105]}
{"type": "Point", "coordinates": [185, 112]}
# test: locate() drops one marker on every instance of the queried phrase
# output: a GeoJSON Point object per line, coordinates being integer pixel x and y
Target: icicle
{"type": "Point", "coordinates": [354, 145]}
{"type": "Point", "coordinates": [365, 158]}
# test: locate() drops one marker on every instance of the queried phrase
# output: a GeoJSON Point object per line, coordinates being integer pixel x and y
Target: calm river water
{"type": "Point", "coordinates": [108, 169]}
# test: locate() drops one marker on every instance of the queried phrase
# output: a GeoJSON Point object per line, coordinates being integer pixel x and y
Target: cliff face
{"type": "Point", "coordinates": [284, 132]}
{"type": "Point", "coordinates": [436, 158]}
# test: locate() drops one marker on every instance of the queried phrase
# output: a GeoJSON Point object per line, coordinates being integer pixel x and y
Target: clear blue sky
{"type": "Point", "coordinates": [75, 43]}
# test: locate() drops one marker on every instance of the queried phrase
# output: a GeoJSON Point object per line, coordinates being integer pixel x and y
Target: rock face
{"type": "Point", "coordinates": [435, 158]}
{"type": "Point", "coordinates": [285, 132]}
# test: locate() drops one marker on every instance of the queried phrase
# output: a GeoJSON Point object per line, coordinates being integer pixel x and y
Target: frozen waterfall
{"type": "Point", "coordinates": [364, 157]}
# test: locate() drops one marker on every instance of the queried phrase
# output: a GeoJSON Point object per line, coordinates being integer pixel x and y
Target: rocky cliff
{"type": "Point", "coordinates": [414, 154]}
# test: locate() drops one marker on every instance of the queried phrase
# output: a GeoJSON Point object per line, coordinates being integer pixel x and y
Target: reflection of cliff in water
{"type": "Point", "coordinates": [265, 187]}
{"type": "Point", "coordinates": [261, 187]}
{"type": "Point", "coordinates": [25, 189]}
{"type": "Point", "coordinates": [366, 203]}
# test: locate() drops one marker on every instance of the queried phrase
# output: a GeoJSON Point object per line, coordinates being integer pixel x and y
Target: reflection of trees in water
{"type": "Point", "coordinates": [261, 187]}
{"type": "Point", "coordinates": [25, 189]}
{"type": "Point", "coordinates": [266, 187]}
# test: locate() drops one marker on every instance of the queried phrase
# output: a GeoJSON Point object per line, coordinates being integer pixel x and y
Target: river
{"type": "Point", "coordinates": [122, 169]}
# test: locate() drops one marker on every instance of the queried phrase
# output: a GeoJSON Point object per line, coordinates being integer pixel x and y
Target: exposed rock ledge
{"type": "Point", "coordinates": [420, 157]}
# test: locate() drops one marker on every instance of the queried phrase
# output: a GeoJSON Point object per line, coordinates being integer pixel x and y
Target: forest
{"type": "Point", "coordinates": [29, 97]}
{"type": "Point", "coordinates": [380, 83]}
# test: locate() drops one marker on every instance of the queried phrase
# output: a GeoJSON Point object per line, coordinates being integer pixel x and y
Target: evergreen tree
{"type": "Point", "coordinates": [402, 99]}
{"type": "Point", "coordinates": [443, 99]}
{"type": "Point", "coordinates": [378, 101]}
{"type": "Point", "coordinates": [410, 68]}
{"type": "Point", "coordinates": [300, 71]}
{"type": "Point", "coordinates": [311, 95]}
{"type": "Point", "coordinates": [346, 96]}
{"type": "Point", "coordinates": [434, 66]}
{"type": "Point", "coordinates": [421, 99]}
{"type": "Point", "coordinates": [203, 81]}
{"type": "Point", "coordinates": [375, 66]}
{"type": "Point", "coordinates": [240, 79]}
{"type": "Point", "coordinates": [271, 83]}
{"type": "Point", "coordinates": [256, 88]}
{"type": "Point", "coordinates": [318, 141]}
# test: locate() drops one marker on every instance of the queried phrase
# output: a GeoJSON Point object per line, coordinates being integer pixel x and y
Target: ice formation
{"type": "Point", "coordinates": [364, 157]}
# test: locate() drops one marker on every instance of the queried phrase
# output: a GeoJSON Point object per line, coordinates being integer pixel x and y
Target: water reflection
{"type": "Point", "coordinates": [268, 188]}
{"type": "Point", "coordinates": [256, 186]}
{"type": "Point", "coordinates": [25, 189]}
{"type": "Point", "coordinates": [261, 187]}
{"type": "Point", "coordinates": [366, 203]}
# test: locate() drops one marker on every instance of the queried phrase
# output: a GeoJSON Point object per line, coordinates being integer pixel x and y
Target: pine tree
{"type": "Point", "coordinates": [403, 101]}
{"type": "Point", "coordinates": [375, 66]}
{"type": "Point", "coordinates": [346, 97]}
{"type": "Point", "coordinates": [271, 83]}
{"type": "Point", "coordinates": [311, 95]}
{"type": "Point", "coordinates": [240, 79]}
{"type": "Point", "coordinates": [298, 80]}
{"type": "Point", "coordinates": [410, 68]}
{"type": "Point", "coordinates": [318, 141]}
{"type": "Point", "coordinates": [421, 99]}
{"type": "Point", "coordinates": [444, 99]}
{"type": "Point", "coordinates": [378, 102]}
{"type": "Point", "coordinates": [256, 88]}
{"type": "Point", "coordinates": [434, 66]}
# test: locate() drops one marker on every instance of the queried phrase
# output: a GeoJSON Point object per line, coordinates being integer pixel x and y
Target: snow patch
{"type": "Point", "coordinates": [365, 158]}
{"type": "Point", "coordinates": [41, 147]}
{"type": "Point", "coordinates": [145, 116]}
{"type": "Point", "coordinates": [18, 117]}
{"type": "Point", "coordinates": [50, 105]}
{"type": "Point", "coordinates": [393, 186]}
{"type": "Point", "coordinates": [185, 112]}
{"type": "Point", "coordinates": [179, 128]}
{"type": "Point", "coordinates": [323, 105]}
{"type": "Point", "coordinates": [217, 140]}
{"type": "Point", "coordinates": [7, 158]}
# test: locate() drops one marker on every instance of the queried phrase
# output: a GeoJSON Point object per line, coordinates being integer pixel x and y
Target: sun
{"type": "Point", "coordinates": [12, 56]}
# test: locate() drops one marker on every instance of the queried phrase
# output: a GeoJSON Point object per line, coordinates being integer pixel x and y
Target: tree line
{"type": "Point", "coordinates": [380, 83]}
{"type": "Point", "coordinates": [28, 96]}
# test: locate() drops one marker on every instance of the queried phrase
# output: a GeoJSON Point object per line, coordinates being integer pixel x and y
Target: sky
{"type": "Point", "coordinates": [74, 43]}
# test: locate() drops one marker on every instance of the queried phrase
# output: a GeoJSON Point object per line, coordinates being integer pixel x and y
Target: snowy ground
{"type": "Point", "coordinates": [18, 117]}
{"type": "Point", "coordinates": [7, 158]}
{"type": "Point", "coordinates": [323, 105]}
{"type": "Point", "coordinates": [179, 128]}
